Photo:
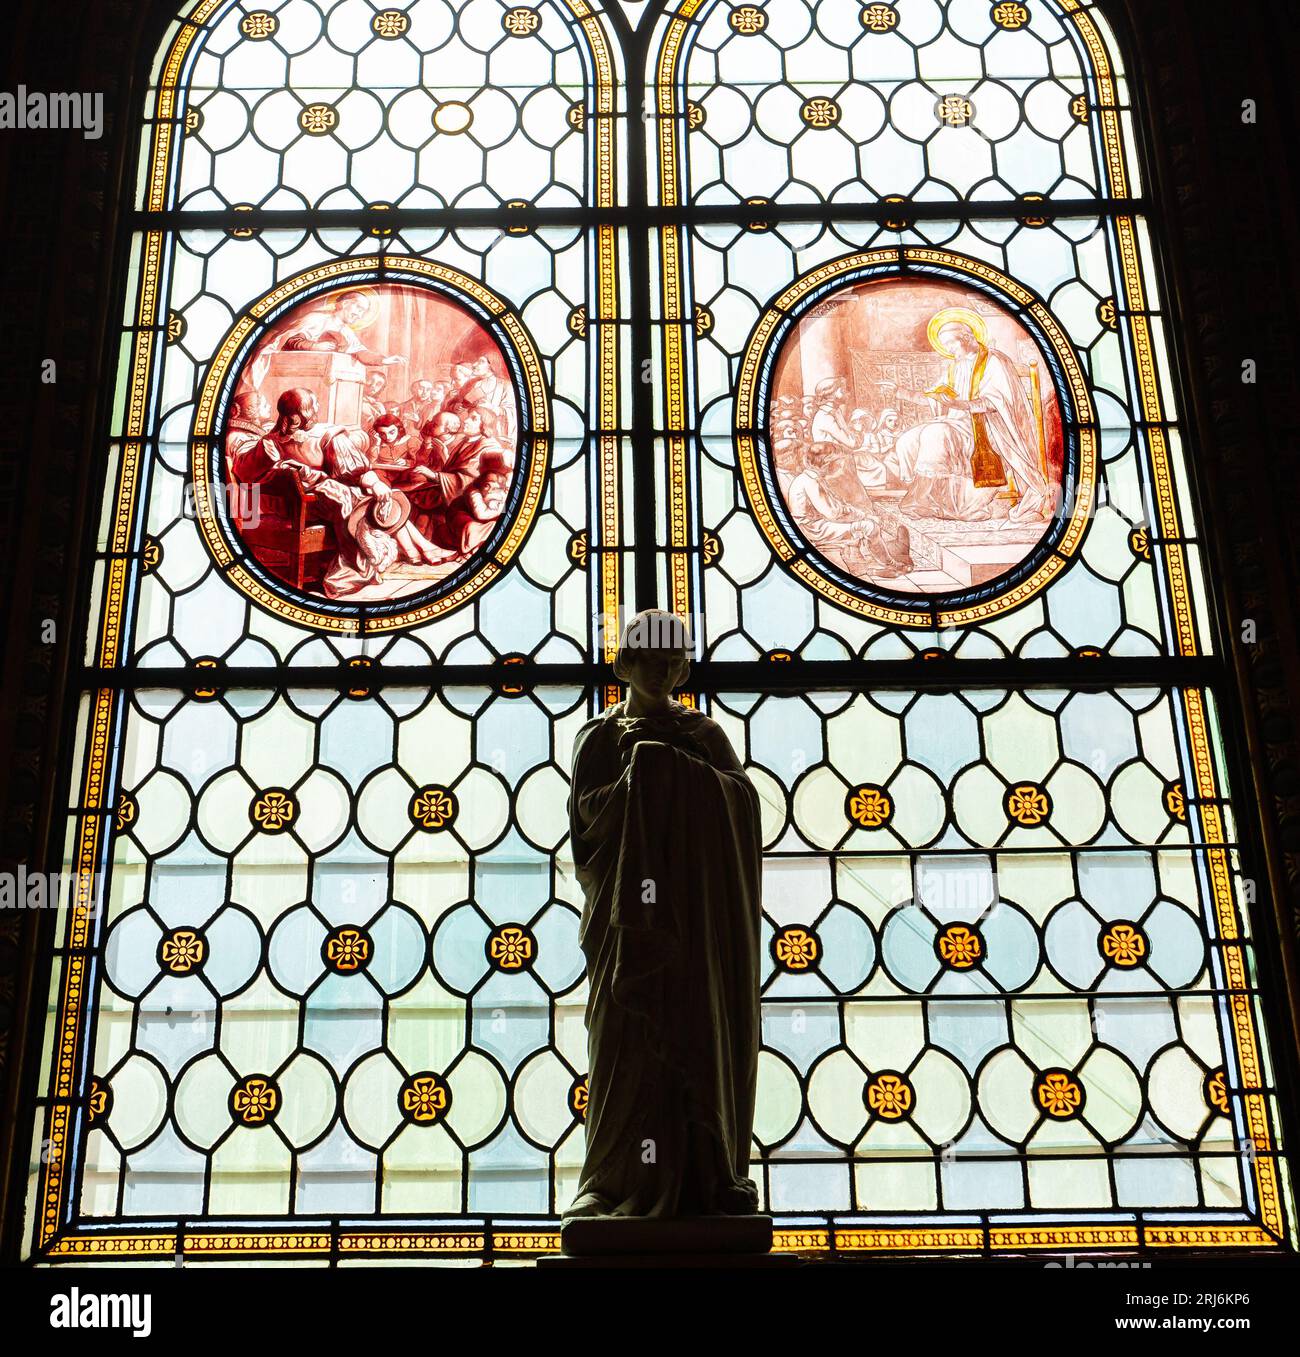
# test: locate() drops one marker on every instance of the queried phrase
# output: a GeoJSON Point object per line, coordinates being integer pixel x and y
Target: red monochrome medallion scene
{"type": "Point", "coordinates": [370, 443]}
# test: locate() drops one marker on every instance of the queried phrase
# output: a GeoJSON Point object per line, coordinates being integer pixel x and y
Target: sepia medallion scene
{"type": "Point", "coordinates": [916, 436]}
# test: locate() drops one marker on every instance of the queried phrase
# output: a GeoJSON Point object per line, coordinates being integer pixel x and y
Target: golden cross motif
{"type": "Point", "coordinates": [889, 1096]}
{"type": "Point", "coordinates": [521, 21]}
{"type": "Point", "coordinates": [318, 119]}
{"type": "Point", "coordinates": [879, 18]}
{"type": "Point", "coordinates": [274, 811]}
{"type": "Point", "coordinates": [959, 948]}
{"type": "Point", "coordinates": [1059, 1095]}
{"type": "Point", "coordinates": [796, 949]}
{"type": "Point", "coordinates": [183, 951]}
{"type": "Point", "coordinates": [579, 1096]}
{"type": "Point", "coordinates": [511, 948]}
{"type": "Point", "coordinates": [1028, 804]}
{"type": "Point", "coordinates": [390, 23]}
{"type": "Point", "coordinates": [1124, 945]}
{"type": "Point", "coordinates": [955, 110]}
{"type": "Point", "coordinates": [820, 112]}
{"type": "Point", "coordinates": [1010, 15]}
{"type": "Point", "coordinates": [433, 808]}
{"type": "Point", "coordinates": [255, 1100]}
{"type": "Point", "coordinates": [748, 20]}
{"type": "Point", "coordinates": [870, 807]}
{"type": "Point", "coordinates": [259, 25]}
{"type": "Point", "coordinates": [348, 949]}
{"type": "Point", "coordinates": [424, 1098]}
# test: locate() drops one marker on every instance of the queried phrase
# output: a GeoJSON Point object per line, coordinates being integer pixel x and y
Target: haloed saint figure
{"type": "Point", "coordinates": [666, 840]}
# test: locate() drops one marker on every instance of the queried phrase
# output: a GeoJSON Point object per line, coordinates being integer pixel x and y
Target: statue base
{"type": "Point", "coordinates": [603, 1237]}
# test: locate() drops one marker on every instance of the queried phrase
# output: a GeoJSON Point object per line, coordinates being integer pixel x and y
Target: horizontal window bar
{"type": "Point", "coordinates": [528, 217]}
{"type": "Point", "coordinates": [778, 675]}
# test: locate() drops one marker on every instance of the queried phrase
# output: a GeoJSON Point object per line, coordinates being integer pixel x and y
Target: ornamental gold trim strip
{"type": "Point", "coordinates": [150, 269]}
{"type": "Point", "coordinates": [1066, 1237]}
{"type": "Point", "coordinates": [1245, 1035]}
{"type": "Point", "coordinates": [1148, 380]}
{"type": "Point", "coordinates": [54, 1152]}
{"type": "Point", "coordinates": [95, 776]}
{"type": "Point", "coordinates": [679, 583]}
{"type": "Point", "coordinates": [526, 1242]}
{"type": "Point", "coordinates": [801, 1241]}
{"type": "Point", "coordinates": [204, 1245]}
{"type": "Point", "coordinates": [139, 392]}
{"type": "Point", "coordinates": [205, 1242]}
{"type": "Point", "coordinates": [885, 1240]}
{"type": "Point", "coordinates": [124, 510]}
{"type": "Point", "coordinates": [72, 992]}
{"type": "Point", "coordinates": [675, 306]}
{"type": "Point", "coordinates": [605, 301]}
{"type": "Point", "coordinates": [610, 560]}
{"type": "Point", "coordinates": [606, 186]}
{"type": "Point", "coordinates": [607, 273]}
{"type": "Point", "coordinates": [398, 1241]}
{"type": "Point", "coordinates": [609, 449]}
{"type": "Point", "coordinates": [677, 482]}
{"type": "Point", "coordinates": [105, 1245]}
{"type": "Point", "coordinates": [1112, 136]}
{"type": "Point", "coordinates": [159, 163]}
{"type": "Point", "coordinates": [828, 273]}
{"type": "Point", "coordinates": [675, 343]}
{"type": "Point", "coordinates": [607, 379]}
{"type": "Point", "coordinates": [114, 605]}
{"type": "Point", "coordinates": [1209, 1236]}
{"type": "Point", "coordinates": [670, 291]}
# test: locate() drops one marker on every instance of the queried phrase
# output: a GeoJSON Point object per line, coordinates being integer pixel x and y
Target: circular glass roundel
{"type": "Point", "coordinates": [915, 450]}
{"type": "Point", "coordinates": [380, 452]}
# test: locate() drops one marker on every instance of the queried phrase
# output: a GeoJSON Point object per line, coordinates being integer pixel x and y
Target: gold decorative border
{"type": "Point", "coordinates": [603, 293]}
{"type": "Point", "coordinates": [57, 1167]}
{"type": "Point", "coordinates": [676, 314]}
{"type": "Point", "coordinates": [1112, 136]}
{"type": "Point", "coordinates": [1206, 795]}
{"type": "Point", "coordinates": [381, 268]}
{"type": "Point", "coordinates": [208, 1244]}
{"type": "Point", "coordinates": [748, 417]}
{"type": "Point", "coordinates": [1159, 457]}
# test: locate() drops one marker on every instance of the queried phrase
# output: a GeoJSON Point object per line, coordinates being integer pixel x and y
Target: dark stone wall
{"type": "Point", "coordinates": [1226, 190]}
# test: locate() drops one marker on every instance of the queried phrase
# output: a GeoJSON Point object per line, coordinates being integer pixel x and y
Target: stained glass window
{"type": "Point", "coordinates": [451, 332]}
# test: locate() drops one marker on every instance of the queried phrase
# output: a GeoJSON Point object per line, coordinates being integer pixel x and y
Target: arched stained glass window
{"type": "Point", "coordinates": [452, 331]}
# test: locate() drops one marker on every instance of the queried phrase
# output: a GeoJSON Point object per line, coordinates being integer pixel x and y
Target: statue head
{"type": "Point", "coordinates": [654, 655]}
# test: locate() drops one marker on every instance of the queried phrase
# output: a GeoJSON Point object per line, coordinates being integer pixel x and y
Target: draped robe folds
{"type": "Point", "coordinates": [936, 456]}
{"type": "Point", "coordinates": [668, 852]}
